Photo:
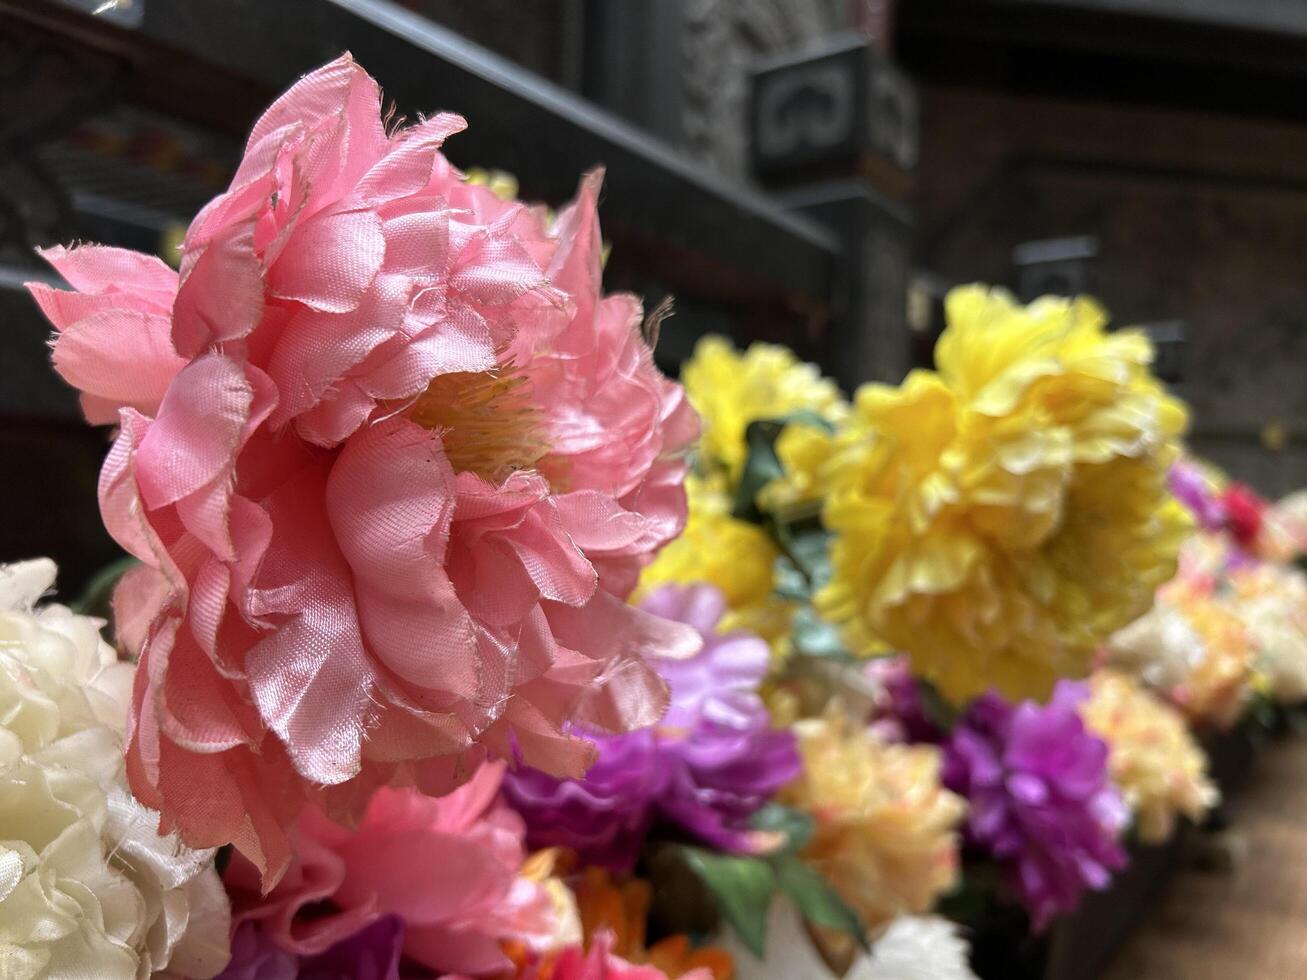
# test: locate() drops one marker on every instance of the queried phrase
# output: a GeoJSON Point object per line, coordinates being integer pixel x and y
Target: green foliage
{"type": "Point", "coordinates": [815, 898]}
{"type": "Point", "coordinates": [743, 889]}
{"type": "Point", "coordinates": [762, 465]}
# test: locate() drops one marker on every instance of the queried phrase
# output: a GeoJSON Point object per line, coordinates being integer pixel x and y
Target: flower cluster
{"type": "Point", "coordinates": [1041, 801]}
{"type": "Point", "coordinates": [884, 828]}
{"type": "Point", "coordinates": [713, 761]}
{"type": "Point", "coordinates": [89, 887]}
{"type": "Point", "coordinates": [438, 629]}
{"type": "Point", "coordinates": [1152, 757]}
{"type": "Point", "coordinates": [391, 463]}
{"type": "Point", "coordinates": [997, 519]}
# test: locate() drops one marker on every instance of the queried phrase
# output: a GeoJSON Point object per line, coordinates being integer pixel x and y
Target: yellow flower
{"type": "Point", "coordinates": [1153, 758]}
{"type": "Point", "coordinates": [736, 556]}
{"type": "Point", "coordinates": [999, 518]}
{"type": "Point", "coordinates": [500, 183]}
{"type": "Point", "coordinates": [730, 390]}
{"type": "Point", "coordinates": [884, 827]}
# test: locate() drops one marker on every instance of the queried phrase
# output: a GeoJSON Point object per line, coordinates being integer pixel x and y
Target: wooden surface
{"type": "Point", "coordinates": [1249, 922]}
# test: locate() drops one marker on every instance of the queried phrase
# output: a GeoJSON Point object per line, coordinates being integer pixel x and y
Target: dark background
{"type": "Point", "coordinates": [1166, 139]}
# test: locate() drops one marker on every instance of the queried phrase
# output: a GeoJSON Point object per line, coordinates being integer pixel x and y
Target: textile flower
{"type": "Point", "coordinates": [1271, 601]}
{"type": "Point", "coordinates": [600, 963]}
{"type": "Point", "coordinates": [913, 947]}
{"type": "Point", "coordinates": [87, 886]}
{"type": "Point", "coordinates": [998, 518]}
{"type": "Point", "coordinates": [1042, 804]}
{"type": "Point", "coordinates": [372, 953]}
{"type": "Point", "coordinates": [1152, 757]}
{"type": "Point", "coordinates": [730, 390]}
{"type": "Point", "coordinates": [1288, 521]}
{"type": "Point", "coordinates": [1199, 491]}
{"type": "Point", "coordinates": [898, 709]}
{"type": "Point", "coordinates": [392, 463]}
{"type": "Point", "coordinates": [738, 557]}
{"type": "Point", "coordinates": [1243, 514]}
{"type": "Point", "coordinates": [454, 869]}
{"type": "Point", "coordinates": [884, 827]}
{"type": "Point", "coordinates": [614, 913]}
{"type": "Point", "coordinates": [1217, 686]}
{"type": "Point", "coordinates": [714, 760]}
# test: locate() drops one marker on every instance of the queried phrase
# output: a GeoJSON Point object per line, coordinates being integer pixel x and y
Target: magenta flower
{"type": "Point", "coordinates": [1041, 803]}
{"type": "Point", "coordinates": [898, 710]}
{"type": "Point", "coordinates": [711, 764]}
{"type": "Point", "coordinates": [372, 953]}
{"type": "Point", "coordinates": [1196, 492]}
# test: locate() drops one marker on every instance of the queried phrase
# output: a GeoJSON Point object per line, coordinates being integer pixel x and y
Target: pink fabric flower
{"type": "Point", "coordinates": [449, 868]}
{"type": "Point", "coordinates": [600, 964]}
{"type": "Point", "coordinates": [392, 464]}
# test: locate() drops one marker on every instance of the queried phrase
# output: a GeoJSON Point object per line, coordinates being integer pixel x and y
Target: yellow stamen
{"type": "Point", "coordinates": [486, 420]}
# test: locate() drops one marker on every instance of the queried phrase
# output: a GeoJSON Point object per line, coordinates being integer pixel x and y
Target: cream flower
{"type": "Point", "coordinates": [1272, 602]}
{"type": "Point", "coordinates": [88, 888]}
{"type": "Point", "coordinates": [884, 827]}
{"type": "Point", "coordinates": [1153, 758]}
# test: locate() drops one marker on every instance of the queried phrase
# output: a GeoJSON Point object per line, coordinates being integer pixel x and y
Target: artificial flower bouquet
{"type": "Point", "coordinates": [461, 643]}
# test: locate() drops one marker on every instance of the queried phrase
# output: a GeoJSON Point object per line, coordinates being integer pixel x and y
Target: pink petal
{"type": "Point", "coordinates": [198, 429]}
{"type": "Point", "coordinates": [332, 263]}
{"type": "Point", "coordinates": [391, 501]}
{"type": "Point", "coordinates": [221, 292]}
{"type": "Point", "coordinates": [101, 268]}
{"type": "Point", "coordinates": [406, 168]}
{"type": "Point", "coordinates": [122, 356]}
{"type": "Point", "coordinates": [310, 677]}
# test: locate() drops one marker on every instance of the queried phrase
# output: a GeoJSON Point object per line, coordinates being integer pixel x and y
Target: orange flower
{"type": "Point", "coordinates": [620, 908]}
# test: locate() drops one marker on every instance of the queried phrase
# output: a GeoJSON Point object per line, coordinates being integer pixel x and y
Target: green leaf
{"type": "Point", "coordinates": [743, 889]}
{"type": "Point", "coordinates": [808, 549]}
{"type": "Point", "coordinates": [806, 416]}
{"type": "Point", "coordinates": [96, 598]}
{"type": "Point", "coordinates": [814, 637]}
{"type": "Point", "coordinates": [937, 708]}
{"type": "Point", "coordinates": [761, 464]}
{"type": "Point", "coordinates": [815, 898]}
{"type": "Point", "coordinates": [794, 824]}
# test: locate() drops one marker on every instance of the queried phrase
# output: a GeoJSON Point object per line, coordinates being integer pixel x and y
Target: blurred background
{"type": "Point", "coordinates": [815, 172]}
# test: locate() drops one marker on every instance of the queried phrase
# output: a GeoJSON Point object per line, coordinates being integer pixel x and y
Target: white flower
{"type": "Point", "coordinates": [1272, 602]}
{"type": "Point", "coordinates": [914, 947]}
{"type": "Point", "coordinates": [1161, 647]}
{"type": "Point", "coordinates": [88, 888]}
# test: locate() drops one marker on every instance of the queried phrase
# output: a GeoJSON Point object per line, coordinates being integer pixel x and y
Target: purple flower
{"type": "Point", "coordinates": [708, 767]}
{"type": "Point", "coordinates": [372, 953]}
{"type": "Point", "coordinates": [898, 711]}
{"type": "Point", "coordinates": [1196, 492]}
{"type": "Point", "coordinates": [603, 817]}
{"type": "Point", "coordinates": [1040, 799]}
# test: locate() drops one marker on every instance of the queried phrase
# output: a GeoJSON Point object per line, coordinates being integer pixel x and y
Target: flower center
{"type": "Point", "coordinates": [485, 419]}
